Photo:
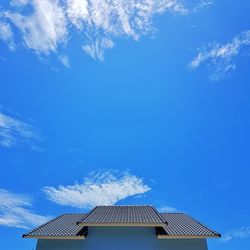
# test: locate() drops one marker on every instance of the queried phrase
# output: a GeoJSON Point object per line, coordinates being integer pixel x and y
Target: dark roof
{"type": "Point", "coordinates": [123, 215]}
{"type": "Point", "coordinates": [62, 226]}
{"type": "Point", "coordinates": [179, 224]}
{"type": "Point", "coordinates": [168, 225]}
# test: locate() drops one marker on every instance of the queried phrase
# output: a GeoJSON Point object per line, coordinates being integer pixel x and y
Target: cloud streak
{"type": "Point", "coordinates": [15, 211]}
{"type": "Point", "coordinates": [99, 188]}
{"type": "Point", "coordinates": [167, 209]}
{"type": "Point", "coordinates": [14, 132]}
{"type": "Point", "coordinates": [6, 35]}
{"type": "Point", "coordinates": [221, 59]}
{"type": "Point", "coordinates": [44, 29]}
{"type": "Point", "coordinates": [46, 26]}
{"type": "Point", "coordinates": [242, 232]}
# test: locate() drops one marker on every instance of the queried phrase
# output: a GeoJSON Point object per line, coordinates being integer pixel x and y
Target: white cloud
{"type": "Point", "coordinates": [46, 26]}
{"type": "Point", "coordinates": [221, 58]}
{"type": "Point", "coordinates": [44, 29]}
{"type": "Point", "coordinates": [64, 60]}
{"type": "Point", "coordinates": [243, 232]}
{"type": "Point", "coordinates": [6, 35]}
{"type": "Point", "coordinates": [77, 12]}
{"type": "Point", "coordinates": [203, 4]}
{"type": "Point", "coordinates": [19, 2]}
{"type": "Point", "coordinates": [15, 211]}
{"type": "Point", "coordinates": [167, 209]}
{"type": "Point", "coordinates": [14, 132]}
{"type": "Point", "coordinates": [96, 48]}
{"type": "Point", "coordinates": [99, 188]}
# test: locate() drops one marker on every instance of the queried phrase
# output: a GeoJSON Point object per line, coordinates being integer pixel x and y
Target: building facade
{"type": "Point", "coordinates": [122, 227]}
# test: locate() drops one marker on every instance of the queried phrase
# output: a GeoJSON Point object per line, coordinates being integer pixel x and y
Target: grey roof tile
{"type": "Point", "coordinates": [62, 226]}
{"type": "Point", "coordinates": [122, 215]}
{"type": "Point", "coordinates": [179, 224]}
{"type": "Point", "coordinates": [170, 224]}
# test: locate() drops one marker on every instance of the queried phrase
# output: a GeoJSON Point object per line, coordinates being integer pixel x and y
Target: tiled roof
{"type": "Point", "coordinates": [168, 225]}
{"type": "Point", "coordinates": [132, 215]}
{"type": "Point", "coordinates": [64, 226]}
{"type": "Point", "coordinates": [181, 225]}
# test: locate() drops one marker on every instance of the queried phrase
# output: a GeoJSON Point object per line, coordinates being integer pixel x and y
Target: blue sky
{"type": "Point", "coordinates": [140, 103]}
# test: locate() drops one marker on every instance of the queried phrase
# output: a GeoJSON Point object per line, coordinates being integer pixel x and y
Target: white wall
{"type": "Point", "coordinates": [121, 238]}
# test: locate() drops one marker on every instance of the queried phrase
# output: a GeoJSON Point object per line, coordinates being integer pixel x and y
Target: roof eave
{"type": "Point", "coordinates": [187, 236]}
{"type": "Point", "coordinates": [82, 237]}
{"type": "Point", "coordinates": [121, 224]}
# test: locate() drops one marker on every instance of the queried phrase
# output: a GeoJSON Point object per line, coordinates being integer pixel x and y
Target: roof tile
{"type": "Point", "coordinates": [122, 215]}
{"type": "Point", "coordinates": [179, 224]}
{"type": "Point", "coordinates": [167, 224]}
{"type": "Point", "coordinates": [62, 226]}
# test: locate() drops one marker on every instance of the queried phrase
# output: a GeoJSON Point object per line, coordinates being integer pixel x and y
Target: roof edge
{"type": "Point", "coordinates": [204, 225]}
{"type": "Point", "coordinates": [36, 228]}
{"type": "Point", "coordinates": [121, 224]}
{"type": "Point", "coordinates": [187, 236]}
{"type": "Point", "coordinates": [81, 237]}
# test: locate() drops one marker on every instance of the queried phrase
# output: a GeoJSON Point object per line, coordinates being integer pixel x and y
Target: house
{"type": "Point", "coordinates": [122, 227]}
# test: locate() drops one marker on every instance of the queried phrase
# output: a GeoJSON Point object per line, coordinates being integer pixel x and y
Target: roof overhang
{"type": "Point", "coordinates": [82, 237]}
{"type": "Point", "coordinates": [121, 224]}
{"type": "Point", "coordinates": [187, 236]}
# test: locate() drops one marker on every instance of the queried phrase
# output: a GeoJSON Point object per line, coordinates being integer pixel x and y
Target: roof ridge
{"type": "Point", "coordinates": [74, 214]}
{"type": "Point", "coordinates": [124, 206]}
{"type": "Point", "coordinates": [159, 215]}
{"type": "Point", "coordinates": [87, 215]}
{"type": "Point", "coordinates": [172, 213]}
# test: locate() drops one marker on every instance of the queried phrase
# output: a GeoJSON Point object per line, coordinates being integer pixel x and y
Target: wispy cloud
{"type": "Point", "coordinates": [167, 209]}
{"type": "Point", "coordinates": [6, 35]}
{"type": "Point", "coordinates": [15, 211]}
{"type": "Point", "coordinates": [99, 188]}
{"type": "Point", "coordinates": [221, 58]}
{"type": "Point", "coordinates": [46, 26]}
{"type": "Point", "coordinates": [64, 60]}
{"type": "Point", "coordinates": [242, 232]}
{"type": "Point", "coordinates": [203, 4]}
{"type": "Point", "coordinates": [96, 48]}
{"type": "Point", "coordinates": [14, 132]}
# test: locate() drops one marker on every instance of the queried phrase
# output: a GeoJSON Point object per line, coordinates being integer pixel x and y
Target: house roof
{"type": "Point", "coordinates": [123, 216]}
{"type": "Point", "coordinates": [180, 225]}
{"type": "Point", "coordinates": [167, 225]}
{"type": "Point", "coordinates": [64, 226]}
